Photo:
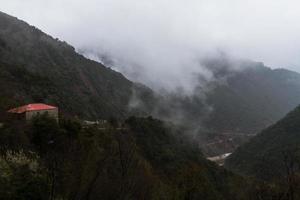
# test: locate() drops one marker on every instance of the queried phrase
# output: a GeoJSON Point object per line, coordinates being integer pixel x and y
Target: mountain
{"type": "Point", "coordinates": [137, 158]}
{"type": "Point", "coordinates": [237, 103]}
{"type": "Point", "coordinates": [244, 100]}
{"type": "Point", "coordinates": [34, 67]}
{"type": "Point", "coordinates": [231, 108]}
{"type": "Point", "coordinates": [273, 153]}
{"type": "Point", "coordinates": [253, 98]}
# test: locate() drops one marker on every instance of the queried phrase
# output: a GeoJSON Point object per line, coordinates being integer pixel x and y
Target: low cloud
{"type": "Point", "coordinates": [162, 43]}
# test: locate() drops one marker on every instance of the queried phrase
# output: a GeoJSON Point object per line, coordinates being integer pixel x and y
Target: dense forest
{"type": "Point", "coordinates": [269, 154]}
{"type": "Point", "coordinates": [141, 158]}
{"type": "Point", "coordinates": [273, 155]}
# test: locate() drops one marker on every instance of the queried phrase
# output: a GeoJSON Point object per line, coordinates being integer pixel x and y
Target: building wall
{"type": "Point", "coordinates": [52, 113]}
{"type": "Point", "coordinates": [16, 116]}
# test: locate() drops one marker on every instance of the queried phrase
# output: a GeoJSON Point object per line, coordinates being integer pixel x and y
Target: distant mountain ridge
{"type": "Point", "coordinates": [249, 94]}
{"type": "Point", "coordinates": [254, 98]}
{"type": "Point", "coordinates": [233, 107]}
{"type": "Point", "coordinates": [246, 100]}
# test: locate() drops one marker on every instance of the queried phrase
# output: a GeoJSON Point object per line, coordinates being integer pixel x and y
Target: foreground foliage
{"type": "Point", "coordinates": [143, 158]}
{"type": "Point", "coordinates": [273, 155]}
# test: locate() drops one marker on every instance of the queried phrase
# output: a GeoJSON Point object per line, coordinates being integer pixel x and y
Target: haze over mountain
{"type": "Point", "coordinates": [239, 97]}
{"type": "Point", "coordinates": [236, 103]}
{"type": "Point", "coordinates": [166, 45]}
{"type": "Point", "coordinates": [160, 43]}
{"type": "Point", "coordinates": [147, 158]}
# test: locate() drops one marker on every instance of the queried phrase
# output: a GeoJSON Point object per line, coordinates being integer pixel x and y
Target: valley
{"type": "Point", "coordinates": [225, 143]}
{"type": "Point", "coordinates": [74, 128]}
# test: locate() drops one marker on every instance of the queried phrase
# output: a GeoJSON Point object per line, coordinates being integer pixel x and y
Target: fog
{"type": "Point", "coordinates": [161, 42]}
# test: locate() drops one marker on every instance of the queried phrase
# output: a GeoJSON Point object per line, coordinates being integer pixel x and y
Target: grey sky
{"type": "Point", "coordinates": [163, 39]}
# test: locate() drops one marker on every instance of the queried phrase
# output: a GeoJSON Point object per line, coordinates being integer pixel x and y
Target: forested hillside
{"type": "Point", "coordinates": [142, 159]}
{"type": "Point", "coordinates": [272, 154]}
{"type": "Point", "coordinates": [254, 98]}
{"type": "Point", "coordinates": [34, 67]}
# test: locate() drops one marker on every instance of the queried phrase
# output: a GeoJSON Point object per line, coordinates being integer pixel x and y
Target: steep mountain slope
{"type": "Point", "coordinates": [37, 68]}
{"type": "Point", "coordinates": [273, 152]}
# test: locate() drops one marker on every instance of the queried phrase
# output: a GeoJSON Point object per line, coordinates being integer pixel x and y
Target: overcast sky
{"type": "Point", "coordinates": [163, 39]}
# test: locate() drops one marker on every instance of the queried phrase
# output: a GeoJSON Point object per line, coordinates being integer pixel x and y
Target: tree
{"type": "Point", "coordinates": [46, 137]}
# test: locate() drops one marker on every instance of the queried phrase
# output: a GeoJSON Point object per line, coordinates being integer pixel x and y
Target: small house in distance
{"type": "Point", "coordinates": [27, 112]}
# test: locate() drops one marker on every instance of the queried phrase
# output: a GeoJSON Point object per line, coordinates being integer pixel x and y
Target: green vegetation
{"type": "Point", "coordinates": [138, 158]}
{"type": "Point", "coordinates": [265, 155]}
{"type": "Point", "coordinates": [273, 155]}
{"type": "Point", "coordinates": [142, 159]}
{"type": "Point", "coordinates": [35, 67]}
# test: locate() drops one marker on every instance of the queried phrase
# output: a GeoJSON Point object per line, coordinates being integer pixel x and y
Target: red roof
{"type": "Point", "coordinates": [31, 107]}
